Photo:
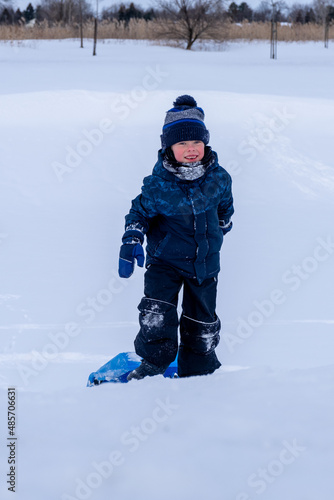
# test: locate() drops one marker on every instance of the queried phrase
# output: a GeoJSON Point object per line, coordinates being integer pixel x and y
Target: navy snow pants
{"type": "Point", "coordinates": [157, 340]}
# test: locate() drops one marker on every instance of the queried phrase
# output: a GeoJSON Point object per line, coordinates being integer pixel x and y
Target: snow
{"type": "Point", "coordinates": [78, 136]}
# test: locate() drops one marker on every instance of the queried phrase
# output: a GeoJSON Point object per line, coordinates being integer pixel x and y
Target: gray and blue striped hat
{"type": "Point", "coordinates": [184, 122]}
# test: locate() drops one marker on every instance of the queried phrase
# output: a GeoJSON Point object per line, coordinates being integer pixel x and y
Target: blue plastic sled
{"type": "Point", "coordinates": [119, 367]}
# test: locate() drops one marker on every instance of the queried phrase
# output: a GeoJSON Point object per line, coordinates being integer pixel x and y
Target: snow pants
{"type": "Point", "coordinates": [157, 340]}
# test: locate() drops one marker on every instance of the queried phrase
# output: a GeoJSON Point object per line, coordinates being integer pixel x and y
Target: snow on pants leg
{"type": "Point", "coordinates": [157, 340]}
{"type": "Point", "coordinates": [199, 329]}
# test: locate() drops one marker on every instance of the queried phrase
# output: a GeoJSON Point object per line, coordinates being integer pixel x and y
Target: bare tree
{"type": "Point", "coordinates": [6, 12]}
{"type": "Point", "coordinates": [323, 12]}
{"type": "Point", "coordinates": [263, 12]}
{"type": "Point", "coordinates": [190, 20]}
{"type": "Point", "coordinates": [81, 24]}
{"type": "Point", "coordinates": [63, 11]}
{"type": "Point", "coordinates": [321, 8]}
{"type": "Point", "coordinates": [95, 27]}
{"type": "Point", "coordinates": [273, 31]}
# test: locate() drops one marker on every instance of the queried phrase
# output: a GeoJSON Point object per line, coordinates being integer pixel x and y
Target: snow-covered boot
{"type": "Point", "coordinates": [197, 347]}
{"type": "Point", "coordinates": [146, 369]}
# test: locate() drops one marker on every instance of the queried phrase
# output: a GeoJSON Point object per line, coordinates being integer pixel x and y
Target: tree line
{"type": "Point", "coordinates": [72, 11]}
{"type": "Point", "coordinates": [54, 11]}
{"type": "Point", "coordinates": [297, 13]}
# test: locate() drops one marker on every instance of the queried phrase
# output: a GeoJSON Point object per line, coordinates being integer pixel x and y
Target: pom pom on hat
{"type": "Point", "coordinates": [184, 122]}
{"type": "Point", "coordinates": [185, 100]}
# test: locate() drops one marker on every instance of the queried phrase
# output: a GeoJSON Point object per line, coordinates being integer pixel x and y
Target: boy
{"type": "Point", "coordinates": [184, 209]}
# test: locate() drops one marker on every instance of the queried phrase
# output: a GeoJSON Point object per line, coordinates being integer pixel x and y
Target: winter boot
{"type": "Point", "coordinates": [146, 369]}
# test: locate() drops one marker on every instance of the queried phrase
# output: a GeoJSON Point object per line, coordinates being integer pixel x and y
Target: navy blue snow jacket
{"type": "Point", "coordinates": [184, 221]}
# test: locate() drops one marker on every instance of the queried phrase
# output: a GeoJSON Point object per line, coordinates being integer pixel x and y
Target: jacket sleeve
{"type": "Point", "coordinates": [142, 210]}
{"type": "Point", "coordinates": [225, 208]}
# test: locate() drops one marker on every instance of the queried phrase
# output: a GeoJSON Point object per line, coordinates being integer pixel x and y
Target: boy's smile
{"type": "Point", "coordinates": [188, 151]}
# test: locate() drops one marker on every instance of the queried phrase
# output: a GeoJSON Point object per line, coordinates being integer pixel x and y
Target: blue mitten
{"type": "Point", "coordinates": [127, 255]}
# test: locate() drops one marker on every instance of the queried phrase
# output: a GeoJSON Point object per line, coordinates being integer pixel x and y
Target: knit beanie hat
{"type": "Point", "coordinates": [184, 122]}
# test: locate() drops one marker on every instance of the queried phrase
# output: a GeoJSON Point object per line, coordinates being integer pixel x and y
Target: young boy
{"type": "Point", "coordinates": [184, 209]}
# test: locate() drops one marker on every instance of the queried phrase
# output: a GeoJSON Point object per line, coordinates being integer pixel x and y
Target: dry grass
{"type": "Point", "coordinates": [285, 33]}
{"type": "Point", "coordinates": [147, 30]}
{"type": "Point", "coordinates": [136, 30]}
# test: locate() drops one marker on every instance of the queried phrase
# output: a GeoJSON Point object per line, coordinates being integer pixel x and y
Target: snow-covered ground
{"type": "Point", "coordinates": [78, 134]}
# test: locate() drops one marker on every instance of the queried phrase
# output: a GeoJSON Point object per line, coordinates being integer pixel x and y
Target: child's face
{"type": "Point", "coordinates": [188, 151]}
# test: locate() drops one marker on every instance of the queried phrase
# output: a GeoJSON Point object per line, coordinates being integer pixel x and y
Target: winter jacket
{"type": "Point", "coordinates": [184, 221]}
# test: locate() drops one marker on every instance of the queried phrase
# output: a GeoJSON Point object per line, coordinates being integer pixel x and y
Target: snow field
{"type": "Point", "coordinates": [78, 136]}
